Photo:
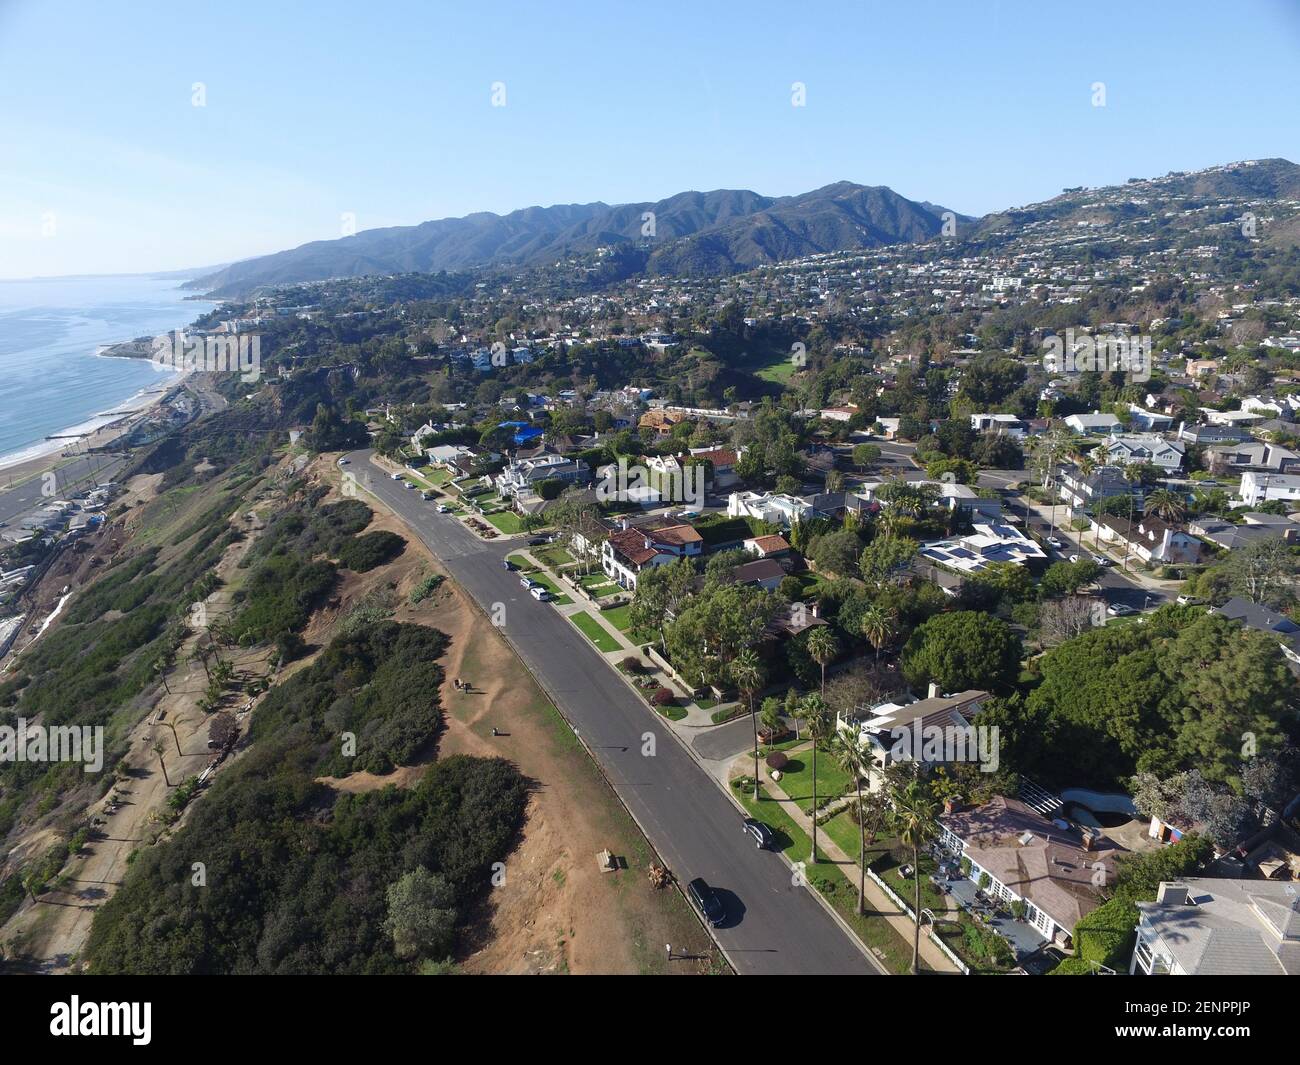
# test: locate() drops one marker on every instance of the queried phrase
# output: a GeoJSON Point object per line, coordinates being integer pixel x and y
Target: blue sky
{"type": "Point", "coordinates": [383, 110]}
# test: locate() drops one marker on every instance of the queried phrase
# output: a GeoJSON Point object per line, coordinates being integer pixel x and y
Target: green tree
{"type": "Point", "coordinates": [421, 915]}
{"type": "Point", "coordinates": [823, 647]}
{"type": "Point", "coordinates": [820, 723]}
{"type": "Point", "coordinates": [748, 674]}
{"type": "Point", "coordinates": [912, 814]}
{"type": "Point", "coordinates": [962, 650]}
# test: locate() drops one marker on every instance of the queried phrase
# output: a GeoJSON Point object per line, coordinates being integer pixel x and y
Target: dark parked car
{"type": "Point", "coordinates": [759, 832]}
{"type": "Point", "coordinates": [537, 541]}
{"type": "Point", "coordinates": [705, 899]}
{"type": "Point", "coordinates": [507, 563]}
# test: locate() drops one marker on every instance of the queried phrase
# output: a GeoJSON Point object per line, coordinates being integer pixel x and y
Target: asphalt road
{"type": "Point", "coordinates": [771, 927]}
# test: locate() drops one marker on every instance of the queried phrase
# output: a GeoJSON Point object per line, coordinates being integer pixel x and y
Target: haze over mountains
{"type": "Point", "coordinates": [708, 232]}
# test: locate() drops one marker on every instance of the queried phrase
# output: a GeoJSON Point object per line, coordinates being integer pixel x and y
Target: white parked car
{"type": "Point", "coordinates": [539, 593]}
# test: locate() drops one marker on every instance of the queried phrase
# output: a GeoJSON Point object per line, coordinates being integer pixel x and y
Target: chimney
{"type": "Point", "coordinates": [1172, 894]}
{"type": "Point", "coordinates": [1089, 838]}
{"type": "Point", "coordinates": [934, 690]}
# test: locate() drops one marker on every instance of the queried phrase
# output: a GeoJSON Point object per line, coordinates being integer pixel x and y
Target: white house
{"type": "Point", "coordinates": [1257, 488]}
{"type": "Point", "coordinates": [629, 552]}
{"type": "Point", "coordinates": [987, 543]}
{"type": "Point", "coordinates": [1120, 450]}
{"type": "Point", "coordinates": [1094, 424]}
{"type": "Point", "coordinates": [1052, 866]}
{"type": "Point", "coordinates": [774, 507]}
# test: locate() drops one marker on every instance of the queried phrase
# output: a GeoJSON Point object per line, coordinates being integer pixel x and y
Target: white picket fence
{"type": "Point", "coordinates": [961, 965]}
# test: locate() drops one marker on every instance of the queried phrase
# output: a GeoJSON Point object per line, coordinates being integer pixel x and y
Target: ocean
{"type": "Point", "coordinates": [51, 380]}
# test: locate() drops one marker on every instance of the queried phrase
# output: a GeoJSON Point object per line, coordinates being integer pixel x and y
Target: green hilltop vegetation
{"type": "Point", "coordinates": [301, 879]}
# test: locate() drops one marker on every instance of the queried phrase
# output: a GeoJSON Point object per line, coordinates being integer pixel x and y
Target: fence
{"type": "Point", "coordinates": [961, 965]}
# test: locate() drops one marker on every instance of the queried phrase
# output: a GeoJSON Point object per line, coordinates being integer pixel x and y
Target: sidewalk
{"type": "Point", "coordinates": [875, 899]}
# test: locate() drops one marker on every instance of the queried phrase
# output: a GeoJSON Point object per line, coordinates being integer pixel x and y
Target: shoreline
{"type": "Point", "coordinates": [37, 458]}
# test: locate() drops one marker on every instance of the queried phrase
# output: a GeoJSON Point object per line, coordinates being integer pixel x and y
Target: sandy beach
{"type": "Point", "coordinates": [32, 462]}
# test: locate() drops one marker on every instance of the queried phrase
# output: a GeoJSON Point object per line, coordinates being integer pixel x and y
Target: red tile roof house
{"type": "Point", "coordinates": [723, 462]}
{"type": "Point", "coordinates": [628, 552]}
{"type": "Point", "coordinates": [1052, 866]}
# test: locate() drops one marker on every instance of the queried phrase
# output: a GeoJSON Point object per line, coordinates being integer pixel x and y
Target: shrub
{"type": "Point", "coordinates": [776, 760]}
{"type": "Point", "coordinates": [365, 552]}
{"type": "Point", "coordinates": [662, 697]}
{"type": "Point", "coordinates": [631, 664]}
{"type": "Point", "coordinates": [1106, 935]}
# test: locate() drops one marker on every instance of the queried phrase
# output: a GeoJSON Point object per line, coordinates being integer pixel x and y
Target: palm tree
{"type": "Point", "coordinates": [1133, 475]}
{"type": "Point", "coordinates": [179, 753]}
{"type": "Point", "coordinates": [747, 671]}
{"type": "Point", "coordinates": [853, 760]}
{"type": "Point", "coordinates": [160, 667]}
{"type": "Point", "coordinates": [158, 750]}
{"type": "Point", "coordinates": [823, 647]}
{"type": "Point", "coordinates": [817, 716]}
{"type": "Point", "coordinates": [200, 654]}
{"type": "Point", "coordinates": [913, 813]}
{"type": "Point", "coordinates": [878, 626]}
{"type": "Point", "coordinates": [1167, 505]}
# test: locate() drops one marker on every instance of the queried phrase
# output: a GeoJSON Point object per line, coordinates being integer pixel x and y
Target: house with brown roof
{"type": "Point", "coordinates": [1053, 867]}
{"type": "Point", "coordinates": [1149, 538]}
{"type": "Point", "coordinates": [661, 421]}
{"type": "Point", "coordinates": [629, 551]}
{"type": "Point", "coordinates": [773, 546]}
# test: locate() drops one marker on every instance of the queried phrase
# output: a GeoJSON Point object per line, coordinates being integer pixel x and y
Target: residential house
{"type": "Point", "coordinates": [1257, 488]}
{"type": "Point", "coordinates": [1204, 926]}
{"type": "Point", "coordinates": [1148, 538]}
{"type": "Point", "coordinates": [629, 551]}
{"type": "Point", "coordinates": [983, 545]}
{"type": "Point", "coordinates": [1148, 421]}
{"type": "Point", "coordinates": [780, 509]}
{"type": "Point", "coordinates": [892, 731]}
{"type": "Point", "coordinates": [773, 546]}
{"type": "Point", "coordinates": [723, 461]}
{"type": "Point", "coordinates": [1008, 424]}
{"type": "Point", "coordinates": [1252, 455]}
{"type": "Point", "coordinates": [661, 421]}
{"type": "Point", "coordinates": [766, 573]}
{"type": "Point", "coordinates": [1052, 866]}
{"type": "Point", "coordinates": [1094, 424]}
{"type": "Point", "coordinates": [1104, 482]}
{"type": "Point", "coordinates": [1123, 449]}
{"type": "Point", "coordinates": [1208, 435]}
{"type": "Point", "coordinates": [530, 472]}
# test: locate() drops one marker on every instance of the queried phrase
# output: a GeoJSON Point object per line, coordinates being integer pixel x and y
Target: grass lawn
{"type": "Point", "coordinates": [778, 369]}
{"type": "Point", "coordinates": [599, 585]}
{"type": "Point", "coordinates": [831, 882]}
{"type": "Point", "coordinates": [796, 780]}
{"type": "Point", "coordinates": [553, 556]}
{"type": "Point", "coordinates": [506, 521]}
{"type": "Point", "coordinates": [621, 618]}
{"type": "Point", "coordinates": [435, 477]}
{"type": "Point", "coordinates": [523, 565]}
{"type": "Point", "coordinates": [594, 631]}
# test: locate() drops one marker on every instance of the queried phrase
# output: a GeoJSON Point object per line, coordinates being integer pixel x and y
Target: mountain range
{"type": "Point", "coordinates": [697, 233]}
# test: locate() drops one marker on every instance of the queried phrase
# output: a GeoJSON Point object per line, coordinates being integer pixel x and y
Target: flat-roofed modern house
{"type": "Point", "coordinates": [1218, 927]}
{"type": "Point", "coordinates": [985, 544]}
{"type": "Point", "coordinates": [1051, 866]}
